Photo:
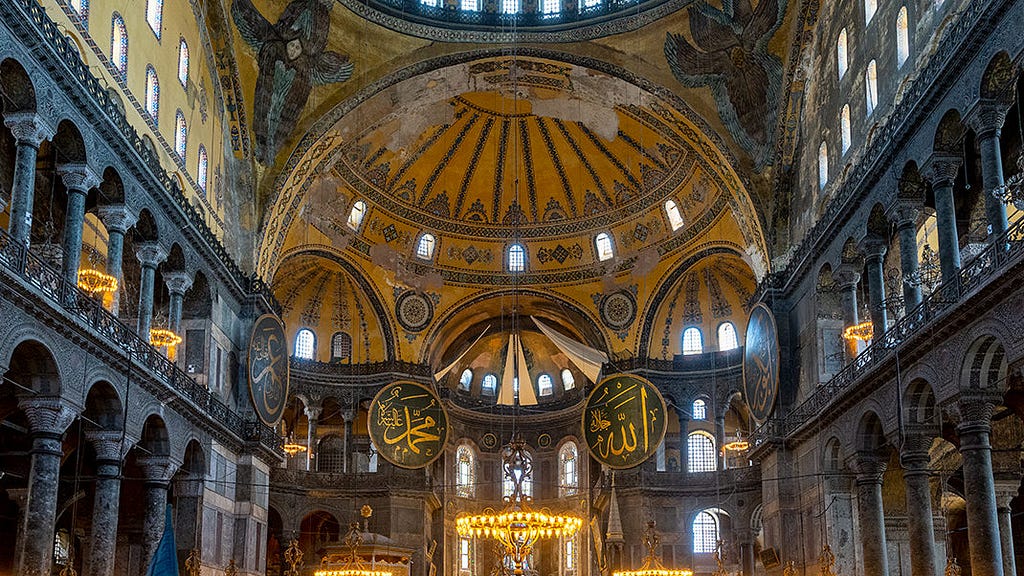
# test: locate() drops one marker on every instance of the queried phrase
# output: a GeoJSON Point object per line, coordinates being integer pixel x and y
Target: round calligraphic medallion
{"type": "Point", "coordinates": [414, 311]}
{"type": "Point", "coordinates": [268, 369]}
{"type": "Point", "coordinates": [761, 363]}
{"type": "Point", "coordinates": [624, 421]}
{"type": "Point", "coordinates": [408, 424]}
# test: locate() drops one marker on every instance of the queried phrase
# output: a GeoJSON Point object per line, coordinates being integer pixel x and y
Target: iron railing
{"type": "Point", "coordinates": [67, 297]}
{"type": "Point", "coordinates": [1007, 249]}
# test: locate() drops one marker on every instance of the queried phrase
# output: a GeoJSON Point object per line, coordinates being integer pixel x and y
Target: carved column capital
{"type": "Point", "coordinates": [108, 445]}
{"type": "Point", "coordinates": [974, 408]}
{"type": "Point", "coordinates": [150, 254]}
{"type": "Point", "coordinates": [349, 416]}
{"type": "Point", "coordinates": [28, 128]}
{"type": "Point", "coordinates": [846, 276]}
{"type": "Point", "coordinates": [156, 469]}
{"type": "Point", "coordinates": [905, 213]}
{"type": "Point", "coordinates": [117, 217]}
{"type": "Point", "coordinates": [313, 412]}
{"type": "Point", "coordinates": [874, 248]}
{"type": "Point", "coordinates": [47, 416]}
{"type": "Point", "coordinates": [986, 117]}
{"type": "Point", "coordinates": [178, 282]}
{"type": "Point", "coordinates": [78, 177]}
{"type": "Point", "coordinates": [870, 467]}
{"type": "Point", "coordinates": [914, 454]}
{"type": "Point", "coordinates": [1006, 490]}
{"type": "Point", "coordinates": [941, 169]}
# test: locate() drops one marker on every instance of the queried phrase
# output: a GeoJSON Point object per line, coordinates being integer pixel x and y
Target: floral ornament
{"type": "Point", "coordinates": [728, 52]}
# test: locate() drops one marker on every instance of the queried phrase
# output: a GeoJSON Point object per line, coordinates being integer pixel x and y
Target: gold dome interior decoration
{"type": "Point", "coordinates": [517, 527]}
{"type": "Point", "coordinates": [652, 566]}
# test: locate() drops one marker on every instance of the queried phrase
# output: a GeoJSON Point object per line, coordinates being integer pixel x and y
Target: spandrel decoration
{"type": "Point", "coordinates": [624, 421]}
{"type": "Point", "coordinates": [268, 369]}
{"type": "Point", "coordinates": [408, 424]}
{"type": "Point", "coordinates": [761, 363]}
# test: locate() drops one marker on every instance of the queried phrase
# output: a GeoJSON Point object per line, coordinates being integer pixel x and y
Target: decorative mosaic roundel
{"type": "Point", "coordinates": [489, 440]}
{"type": "Point", "coordinates": [414, 311]}
{"type": "Point", "coordinates": [544, 440]}
{"type": "Point", "coordinates": [618, 310]}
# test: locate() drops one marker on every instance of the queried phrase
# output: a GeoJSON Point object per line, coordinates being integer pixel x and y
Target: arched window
{"type": "Point", "coordinates": [701, 456]}
{"type": "Point", "coordinates": [545, 387]}
{"type": "Point", "coordinates": [699, 410]}
{"type": "Point", "coordinates": [180, 134]}
{"type": "Point", "coordinates": [119, 44]}
{"type": "Point", "coordinates": [552, 7]}
{"type": "Point", "coordinates": [568, 381]}
{"type": "Point", "coordinates": [902, 37]}
{"type": "Point", "coordinates": [466, 380]}
{"type": "Point", "coordinates": [330, 454]}
{"type": "Point", "coordinates": [568, 470]}
{"type": "Point", "coordinates": [727, 339]}
{"type": "Point", "coordinates": [841, 55]}
{"type": "Point", "coordinates": [81, 7]}
{"type": "Point", "coordinates": [509, 6]}
{"type": "Point", "coordinates": [693, 342]}
{"type": "Point", "coordinates": [464, 471]}
{"type": "Point", "coordinates": [516, 258]}
{"type": "Point", "coordinates": [844, 122]}
{"type": "Point", "coordinates": [425, 246]}
{"type": "Point", "coordinates": [586, 4]}
{"type": "Point", "coordinates": [603, 243]}
{"type": "Point", "coordinates": [356, 215]}
{"type": "Point", "coordinates": [822, 165]}
{"type": "Point", "coordinates": [470, 5]}
{"type": "Point", "coordinates": [305, 344]}
{"type": "Point", "coordinates": [155, 15]}
{"type": "Point", "coordinates": [705, 533]}
{"type": "Point", "coordinates": [341, 347]}
{"type": "Point", "coordinates": [675, 219]}
{"type": "Point", "coordinates": [871, 86]}
{"type": "Point", "coordinates": [870, 7]}
{"type": "Point", "coordinates": [183, 63]}
{"type": "Point", "coordinates": [152, 94]}
{"type": "Point", "coordinates": [202, 169]}
{"type": "Point", "coordinates": [489, 385]}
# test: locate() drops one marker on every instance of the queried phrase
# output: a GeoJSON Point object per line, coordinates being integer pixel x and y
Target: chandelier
{"type": "Point", "coordinates": [864, 331]}
{"type": "Point", "coordinates": [160, 337]}
{"type": "Point", "coordinates": [96, 282]}
{"type": "Point", "coordinates": [517, 527]}
{"type": "Point", "coordinates": [652, 566]}
{"type": "Point", "coordinates": [291, 447]}
{"type": "Point", "coordinates": [737, 444]}
{"type": "Point", "coordinates": [354, 565]}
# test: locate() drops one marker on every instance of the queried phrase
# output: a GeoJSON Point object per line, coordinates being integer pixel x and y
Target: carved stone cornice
{"type": "Point", "coordinates": [28, 128]}
{"type": "Point", "coordinates": [178, 282]}
{"type": "Point", "coordinates": [48, 416]}
{"type": "Point", "coordinates": [987, 117]}
{"type": "Point", "coordinates": [150, 254]}
{"type": "Point", "coordinates": [117, 217]}
{"type": "Point", "coordinates": [941, 169]}
{"type": "Point", "coordinates": [78, 177]}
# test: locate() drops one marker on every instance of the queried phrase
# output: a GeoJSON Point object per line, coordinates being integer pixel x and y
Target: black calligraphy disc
{"type": "Point", "coordinates": [408, 424]}
{"type": "Point", "coordinates": [624, 421]}
{"type": "Point", "coordinates": [761, 363]}
{"type": "Point", "coordinates": [268, 369]}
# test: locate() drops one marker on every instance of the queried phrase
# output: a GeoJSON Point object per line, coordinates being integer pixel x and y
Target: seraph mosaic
{"type": "Point", "coordinates": [729, 54]}
{"type": "Point", "coordinates": [292, 58]}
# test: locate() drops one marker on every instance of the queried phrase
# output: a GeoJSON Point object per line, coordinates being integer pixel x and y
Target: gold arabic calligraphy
{"type": "Point", "coordinates": [410, 424]}
{"type": "Point", "coordinates": [623, 425]}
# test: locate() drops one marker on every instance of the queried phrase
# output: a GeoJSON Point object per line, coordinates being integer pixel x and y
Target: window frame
{"type": "Point", "coordinates": [675, 217]}
{"type": "Point", "coordinates": [701, 543]}
{"type": "Point", "coordinates": [515, 257]}
{"type": "Point", "coordinates": [184, 62]}
{"type": "Point", "coordinates": [338, 339]}
{"type": "Point", "coordinates": [486, 390]}
{"type": "Point", "coordinates": [312, 345]}
{"type": "Point", "coordinates": [545, 377]}
{"type": "Point", "coordinates": [155, 16]}
{"type": "Point", "coordinates": [152, 96]}
{"type": "Point", "coordinates": [202, 168]}
{"type": "Point", "coordinates": [426, 243]}
{"type": "Point", "coordinates": [355, 222]}
{"type": "Point", "coordinates": [606, 252]}
{"type": "Point", "coordinates": [845, 128]}
{"type": "Point", "coordinates": [180, 135]}
{"type": "Point", "coordinates": [568, 469]}
{"type": "Point", "coordinates": [570, 382]}
{"type": "Point", "coordinates": [843, 53]}
{"type": "Point", "coordinates": [119, 50]}
{"type": "Point", "coordinates": [902, 37]}
{"type": "Point", "coordinates": [699, 410]}
{"type": "Point", "coordinates": [464, 484]}
{"type": "Point", "coordinates": [871, 86]}
{"type": "Point", "coordinates": [823, 165]}
{"type": "Point", "coordinates": [701, 452]}
{"type": "Point", "coordinates": [689, 350]}
{"type": "Point", "coordinates": [735, 336]}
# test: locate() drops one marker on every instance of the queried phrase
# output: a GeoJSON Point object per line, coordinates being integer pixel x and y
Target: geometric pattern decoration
{"type": "Point", "coordinates": [414, 310]}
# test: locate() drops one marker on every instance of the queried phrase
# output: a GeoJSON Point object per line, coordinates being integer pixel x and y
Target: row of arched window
{"type": "Point", "coordinates": [426, 243]}
{"type": "Point", "coordinates": [489, 384]}
{"type": "Point", "coordinates": [549, 8]}
{"type": "Point", "coordinates": [305, 345]}
{"type": "Point", "coordinates": [568, 473]}
{"type": "Point", "coordinates": [693, 339]}
{"type": "Point", "coordinates": [870, 81]}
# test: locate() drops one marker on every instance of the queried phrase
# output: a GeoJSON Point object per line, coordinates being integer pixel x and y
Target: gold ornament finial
{"type": "Point", "coordinates": [232, 569]}
{"type": "Point", "coordinates": [193, 563]}
{"type": "Point", "coordinates": [952, 568]}
{"type": "Point", "coordinates": [790, 569]}
{"type": "Point", "coordinates": [293, 556]}
{"type": "Point", "coordinates": [827, 561]}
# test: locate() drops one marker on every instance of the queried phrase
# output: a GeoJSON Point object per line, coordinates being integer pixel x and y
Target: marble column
{"type": "Point", "coordinates": [846, 278]}
{"type": "Point", "coordinates": [874, 260]}
{"type": "Point", "coordinates": [188, 492]}
{"type": "Point", "coordinates": [312, 414]}
{"type": "Point", "coordinates": [109, 451]}
{"type": "Point", "coordinates": [720, 439]}
{"type": "Point", "coordinates": [942, 169]}
{"type": "Point", "coordinates": [78, 180]}
{"type": "Point", "coordinates": [870, 468]}
{"type": "Point", "coordinates": [914, 459]}
{"type": "Point", "coordinates": [346, 440]}
{"type": "Point", "coordinates": [986, 118]}
{"type": "Point", "coordinates": [975, 427]}
{"type": "Point", "coordinates": [29, 131]}
{"type": "Point", "coordinates": [1004, 493]}
{"type": "Point", "coordinates": [684, 441]}
{"type": "Point", "coordinates": [745, 539]}
{"type": "Point", "coordinates": [48, 418]}
{"type": "Point", "coordinates": [905, 215]}
{"type": "Point", "coordinates": [150, 255]}
{"type": "Point", "coordinates": [156, 471]}
{"type": "Point", "coordinates": [178, 282]}
{"type": "Point", "coordinates": [118, 219]}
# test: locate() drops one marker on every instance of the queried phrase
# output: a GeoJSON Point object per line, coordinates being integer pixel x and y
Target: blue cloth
{"type": "Point", "coordinates": [165, 559]}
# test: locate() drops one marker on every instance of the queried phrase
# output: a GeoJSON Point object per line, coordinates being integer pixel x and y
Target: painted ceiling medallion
{"type": "Point", "coordinates": [414, 310]}
{"type": "Point", "coordinates": [618, 310]}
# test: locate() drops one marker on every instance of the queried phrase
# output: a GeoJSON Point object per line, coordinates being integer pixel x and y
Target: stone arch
{"type": "Point", "coordinates": [984, 364]}
{"type": "Point", "coordinates": [949, 133]}
{"type": "Point", "coordinates": [910, 185]}
{"type": "Point", "coordinates": [111, 187]}
{"type": "Point", "coordinates": [198, 304]}
{"type": "Point", "coordinates": [878, 224]}
{"type": "Point", "coordinates": [17, 92]}
{"type": "Point", "coordinates": [921, 407]}
{"type": "Point", "coordinates": [68, 144]}
{"type": "Point", "coordinates": [870, 433]}
{"type": "Point", "coordinates": [34, 369]}
{"type": "Point", "coordinates": [146, 229]}
{"type": "Point", "coordinates": [1000, 78]}
{"type": "Point", "coordinates": [316, 529]}
{"type": "Point", "coordinates": [832, 456]}
{"type": "Point", "coordinates": [103, 407]}
{"type": "Point", "coordinates": [155, 441]}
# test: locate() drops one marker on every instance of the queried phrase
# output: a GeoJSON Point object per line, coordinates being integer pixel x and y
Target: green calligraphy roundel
{"type": "Point", "coordinates": [268, 369]}
{"type": "Point", "coordinates": [408, 424]}
{"type": "Point", "coordinates": [761, 363]}
{"type": "Point", "coordinates": [624, 421]}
